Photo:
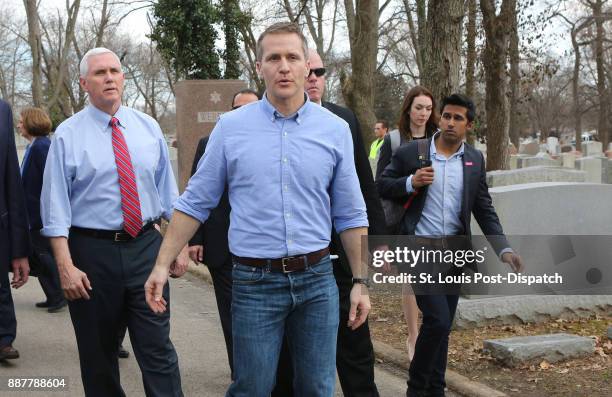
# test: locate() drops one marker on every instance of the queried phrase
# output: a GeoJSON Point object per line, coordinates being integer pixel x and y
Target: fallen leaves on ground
{"type": "Point", "coordinates": [590, 375]}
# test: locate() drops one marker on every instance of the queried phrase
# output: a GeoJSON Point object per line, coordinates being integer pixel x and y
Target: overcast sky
{"type": "Point", "coordinates": [135, 23]}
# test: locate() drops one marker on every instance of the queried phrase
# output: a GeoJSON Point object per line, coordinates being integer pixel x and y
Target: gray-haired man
{"type": "Point", "coordinates": [107, 183]}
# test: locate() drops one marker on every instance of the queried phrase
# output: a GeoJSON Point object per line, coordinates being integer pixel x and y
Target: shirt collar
{"type": "Point", "coordinates": [433, 150]}
{"type": "Point", "coordinates": [273, 114]}
{"type": "Point", "coordinates": [103, 119]}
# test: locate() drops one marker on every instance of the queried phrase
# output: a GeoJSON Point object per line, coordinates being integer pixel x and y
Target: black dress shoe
{"type": "Point", "coordinates": [122, 353]}
{"type": "Point", "coordinates": [57, 307]}
{"type": "Point", "coordinates": [42, 304]}
{"type": "Point", "coordinates": [8, 352]}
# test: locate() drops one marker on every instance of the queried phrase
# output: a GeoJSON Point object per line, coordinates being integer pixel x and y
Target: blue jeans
{"type": "Point", "coordinates": [265, 306]}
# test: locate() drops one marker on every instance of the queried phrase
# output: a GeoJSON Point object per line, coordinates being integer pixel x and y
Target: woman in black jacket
{"type": "Point", "coordinates": [34, 125]}
{"type": "Point", "coordinates": [418, 120]}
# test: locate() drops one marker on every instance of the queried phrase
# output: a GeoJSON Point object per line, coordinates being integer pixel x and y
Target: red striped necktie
{"type": "Point", "coordinates": [130, 204]}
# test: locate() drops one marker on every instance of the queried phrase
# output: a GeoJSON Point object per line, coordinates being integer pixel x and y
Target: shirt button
{"type": "Point", "coordinates": [290, 242]}
{"type": "Point", "coordinates": [286, 187]}
{"type": "Point", "coordinates": [285, 160]}
{"type": "Point", "coordinates": [284, 133]}
{"type": "Point", "coordinates": [288, 215]}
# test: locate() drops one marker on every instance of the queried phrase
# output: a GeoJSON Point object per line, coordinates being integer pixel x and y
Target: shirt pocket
{"type": "Point", "coordinates": [145, 156]}
{"type": "Point", "coordinates": [315, 169]}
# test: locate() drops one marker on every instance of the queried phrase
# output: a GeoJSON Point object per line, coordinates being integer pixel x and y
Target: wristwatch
{"type": "Point", "coordinates": [363, 281]}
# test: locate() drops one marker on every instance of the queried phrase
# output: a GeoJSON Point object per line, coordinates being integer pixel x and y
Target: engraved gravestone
{"type": "Point", "coordinates": [199, 103]}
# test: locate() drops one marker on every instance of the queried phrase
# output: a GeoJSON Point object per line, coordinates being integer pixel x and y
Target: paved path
{"type": "Point", "coordinates": [47, 346]}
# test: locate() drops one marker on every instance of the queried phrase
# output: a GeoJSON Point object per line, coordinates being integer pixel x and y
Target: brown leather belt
{"type": "Point", "coordinates": [287, 264]}
{"type": "Point", "coordinates": [432, 242]}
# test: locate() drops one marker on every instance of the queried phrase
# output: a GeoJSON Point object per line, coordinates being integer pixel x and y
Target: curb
{"type": "Point", "coordinates": [454, 380]}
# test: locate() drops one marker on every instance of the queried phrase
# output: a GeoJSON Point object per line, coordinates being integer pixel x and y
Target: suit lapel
{"type": "Point", "coordinates": [469, 167]}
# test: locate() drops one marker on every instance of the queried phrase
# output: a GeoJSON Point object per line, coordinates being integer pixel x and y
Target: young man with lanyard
{"type": "Point", "coordinates": [450, 190]}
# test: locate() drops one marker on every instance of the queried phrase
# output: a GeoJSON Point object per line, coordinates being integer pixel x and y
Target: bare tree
{"type": "Point", "coordinates": [471, 56]}
{"type": "Point", "coordinates": [146, 71]}
{"type": "Point", "coordinates": [575, 29]}
{"type": "Point", "coordinates": [596, 7]}
{"type": "Point", "coordinates": [495, 54]}
{"type": "Point", "coordinates": [442, 47]}
{"type": "Point", "coordinates": [358, 87]}
{"type": "Point", "coordinates": [34, 40]}
{"type": "Point", "coordinates": [416, 32]}
{"type": "Point", "coordinates": [515, 79]}
{"type": "Point", "coordinates": [549, 105]}
{"type": "Point", "coordinates": [470, 63]}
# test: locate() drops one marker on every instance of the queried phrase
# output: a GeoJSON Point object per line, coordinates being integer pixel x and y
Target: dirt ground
{"type": "Point", "coordinates": [590, 376]}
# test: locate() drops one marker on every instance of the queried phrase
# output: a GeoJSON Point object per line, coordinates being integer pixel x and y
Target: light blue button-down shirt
{"type": "Point", "coordinates": [288, 178]}
{"type": "Point", "coordinates": [440, 216]}
{"type": "Point", "coordinates": [81, 184]}
{"type": "Point", "coordinates": [442, 208]}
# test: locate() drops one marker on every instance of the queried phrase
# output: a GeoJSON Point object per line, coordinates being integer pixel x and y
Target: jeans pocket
{"type": "Point", "coordinates": [323, 268]}
{"type": "Point", "coordinates": [242, 274]}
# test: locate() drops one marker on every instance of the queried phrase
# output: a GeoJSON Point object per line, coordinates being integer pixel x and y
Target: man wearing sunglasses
{"type": "Point", "coordinates": [354, 354]}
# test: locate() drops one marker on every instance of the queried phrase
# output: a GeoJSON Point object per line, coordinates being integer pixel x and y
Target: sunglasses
{"type": "Point", "coordinates": [318, 72]}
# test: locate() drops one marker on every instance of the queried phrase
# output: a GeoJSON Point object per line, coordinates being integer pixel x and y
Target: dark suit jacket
{"type": "Point", "coordinates": [14, 233]}
{"type": "Point", "coordinates": [212, 234]}
{"type": "Point", "coordinates": [376, 216]}
{"type": "Point", "coordinates": [476, 199]}
{"type": "Point", "coordinates": [32, 179]}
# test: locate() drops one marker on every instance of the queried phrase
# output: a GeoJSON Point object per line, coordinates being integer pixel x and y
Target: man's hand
{"type": "Point", "coordinates": [154, 287]}
{"type": "Point", "coordinates": [74, 282]}
{"type": "Point", "coordinates": [422, 177]}
{"type": "Point", "coordinates": [515, 261]}
{"type": "Point", "coordinates": [180, 264]}
{"type": "Point", "coordinates": [196, 253]}
{"type": "Point", "coordinates": [360, 306]}
{"type": "Point", "coordinates": [21, 271]}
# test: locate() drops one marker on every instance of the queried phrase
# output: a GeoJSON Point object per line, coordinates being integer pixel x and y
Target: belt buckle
{"type": "Point", "coordinates": [121, 237]}
{"type": "Point", "coordinates": [287, 258]}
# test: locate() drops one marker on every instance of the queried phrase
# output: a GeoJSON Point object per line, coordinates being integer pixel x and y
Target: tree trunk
{"type": "Point", "coordinates": [104, 20]}
{"type": "Point", "coordinates": [414, 36]}
{"type": "Point", "coordinates": [421, 10]}
{"type": "Point", "coordinates": [575, 91]}
{"type": "Point", "coordinates": [442, 50]}
{"type": "Point", "coordinates": [250, 48]}
{"type": "Point", "coordinates": [602, 125]}
{"type": "Point", "coordinates": [34, 40]}
{"type": "Point", "coordinates": [56, 85]}
{"type": "Point", "coordinates": [494, 62]}
{"type": "Point", "coordinates": [470, 67]}
{"type": "Point", "coordinates": [515, 78]}
{"type": "Point", "coordinates": [358, 88]}
{"type": "Point", "coordinates": [231, 57]}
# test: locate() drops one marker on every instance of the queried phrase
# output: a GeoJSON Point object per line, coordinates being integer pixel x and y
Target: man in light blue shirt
{"type": "Point", "coordinates": [106, 184]}
{"type": "Point", "coordinates": [290, 173]}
